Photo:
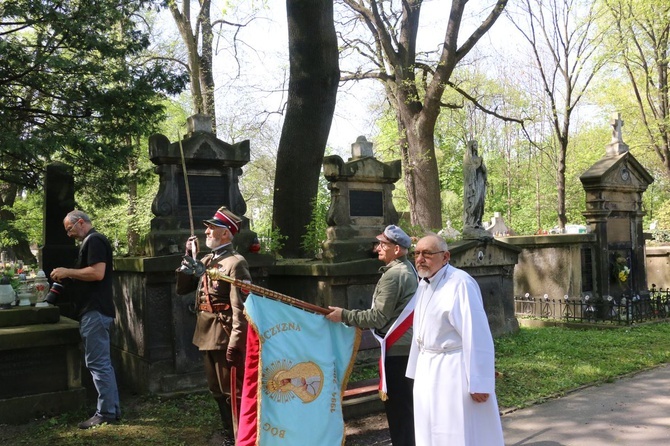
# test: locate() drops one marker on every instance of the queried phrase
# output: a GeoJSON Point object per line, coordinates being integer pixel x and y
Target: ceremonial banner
{"type": "Point", "coordinates": [297, 366]}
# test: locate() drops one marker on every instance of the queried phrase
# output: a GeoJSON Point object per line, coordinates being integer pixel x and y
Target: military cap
{"type": "Point", "coordinates": [224, 218]}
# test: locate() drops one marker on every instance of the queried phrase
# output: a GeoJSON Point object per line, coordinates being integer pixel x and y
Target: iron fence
{"type": "Point", "coordinates": [623, 311]}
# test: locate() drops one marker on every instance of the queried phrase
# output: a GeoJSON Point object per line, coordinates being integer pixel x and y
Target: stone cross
{"type": "Point", "coordinates": [616, 147]}
{"type": "Point", "coordinates": [617, 124]}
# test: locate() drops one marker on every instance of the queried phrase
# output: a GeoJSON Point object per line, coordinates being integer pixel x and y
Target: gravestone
{"type": "Point", "coordinates": [361, 202]}
{"type": "Point", "coordinates": [40, 364]}
{"type": "Point", "coordinates": [213, 168]}
{"type": "Point", "coordinates": [152, 341]}
{"type": "Point", "coordinates": [59, 250]}
{"type": "Point", "coordinates": [614, 186]}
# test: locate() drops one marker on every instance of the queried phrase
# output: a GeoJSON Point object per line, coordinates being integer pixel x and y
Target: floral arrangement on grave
{"type": "Point", "coordinates": [620, 269]}
{"type": "Point", "coordinates": [8, 273]}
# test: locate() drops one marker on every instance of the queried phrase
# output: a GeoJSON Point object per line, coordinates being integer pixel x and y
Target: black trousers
{"type": "Point", "coordinates": [400, 403]}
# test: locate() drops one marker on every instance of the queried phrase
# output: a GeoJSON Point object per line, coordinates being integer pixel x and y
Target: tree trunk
{"type": "Point", "coordinates": [422, 177]}
{"type": "Point", "coordinates": [415, 89]}
{"type": "Point", "coordinates": [314, 77]}
{"type": "Point", "coordinates": [200, 65]}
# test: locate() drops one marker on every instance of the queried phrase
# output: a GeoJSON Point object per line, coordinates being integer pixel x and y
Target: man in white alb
{"type": "Point", "coordinates": [452, 355]}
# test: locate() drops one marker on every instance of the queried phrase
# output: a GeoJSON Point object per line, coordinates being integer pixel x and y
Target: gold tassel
{"type": "Point", "coordinates": [383, 396]}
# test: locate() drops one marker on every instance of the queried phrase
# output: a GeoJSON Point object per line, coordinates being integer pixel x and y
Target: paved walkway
{"type": "Point", "coordinates": [632, 411]}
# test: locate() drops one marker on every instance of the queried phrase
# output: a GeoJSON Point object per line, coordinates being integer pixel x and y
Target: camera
{"type": "Point", "coordinates": [55, 291]}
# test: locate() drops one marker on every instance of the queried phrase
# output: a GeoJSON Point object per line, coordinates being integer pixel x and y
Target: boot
{"type": "Point", "coordinates": [227, 420]}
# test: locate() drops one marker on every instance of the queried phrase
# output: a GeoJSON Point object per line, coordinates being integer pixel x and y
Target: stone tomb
{"type": "Point", "coordinates": [361, 204]}
{"type": "Point", "coordinates": [213, 168]}
{"type": "Point", "coordinates": [40, 364]}
{"type": "Point", "coordinates": [614, 186]}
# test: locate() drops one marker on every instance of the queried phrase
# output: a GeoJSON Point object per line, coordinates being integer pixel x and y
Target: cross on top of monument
{"type": "Point", "coordinates": [617, 124]}
{"type": "Point", "coordinates": [616, 147]}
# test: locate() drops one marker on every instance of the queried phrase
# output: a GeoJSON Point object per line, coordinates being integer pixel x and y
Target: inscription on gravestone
{"type": "Point", "coordinates": [366, 203]}
{"type": "Point", "coordinates": [205, 190]}
{"type": "Point", "coordinates": [24, 369]}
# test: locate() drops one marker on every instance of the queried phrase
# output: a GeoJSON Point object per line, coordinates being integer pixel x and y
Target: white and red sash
{"type": "Point", "coordinates": [399, 328]}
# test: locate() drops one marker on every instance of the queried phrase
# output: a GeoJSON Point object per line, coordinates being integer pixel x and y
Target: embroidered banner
{"type": "Point", "coordinates": [297, 366]}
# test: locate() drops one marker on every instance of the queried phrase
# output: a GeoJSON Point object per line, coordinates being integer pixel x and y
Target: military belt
{"type": "Point", "coordinates": [213, 308]}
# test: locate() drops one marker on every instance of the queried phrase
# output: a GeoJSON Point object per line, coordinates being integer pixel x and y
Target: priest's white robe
{"type": "Point", "coordinates": [452, 355]}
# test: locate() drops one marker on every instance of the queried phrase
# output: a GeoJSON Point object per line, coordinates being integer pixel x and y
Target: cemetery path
{"type": "Point", "coordinates": [630, 411]}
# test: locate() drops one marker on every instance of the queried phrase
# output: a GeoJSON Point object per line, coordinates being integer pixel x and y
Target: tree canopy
{"type": "Point", "coordinates": [74, 87]}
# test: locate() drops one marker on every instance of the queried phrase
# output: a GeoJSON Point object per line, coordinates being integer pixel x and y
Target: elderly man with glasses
{"type": "Point", "coordinates": [452, 356]}
{"type": "Point", "coordinates": [221, 327]}
{"type": "Point", "coordinates": [393, 292]}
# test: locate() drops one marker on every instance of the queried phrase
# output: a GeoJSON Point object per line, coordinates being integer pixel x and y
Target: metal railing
{"type": "Point", "coordinates": [588, 309]}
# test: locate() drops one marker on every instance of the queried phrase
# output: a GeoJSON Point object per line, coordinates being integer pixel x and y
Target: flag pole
{"type": "Point", "coordinates": [214, 274]}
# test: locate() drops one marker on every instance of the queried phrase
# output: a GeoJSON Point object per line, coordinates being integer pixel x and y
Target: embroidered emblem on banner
{"type": "Point", "coordinates": [283, 381]}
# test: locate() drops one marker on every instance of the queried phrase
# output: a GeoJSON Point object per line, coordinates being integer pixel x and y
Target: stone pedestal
{"type": "Point", "coordinates": [151, 343]}
{"type": "Point", "coordinates": [40, 364]}
{"type": "Point", "coordinates": [491, 263]}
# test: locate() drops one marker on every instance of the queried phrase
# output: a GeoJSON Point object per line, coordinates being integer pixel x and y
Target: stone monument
{"type": "Point", "coordinates": [40, 360]}
{"type": "Point", "coordinates": [58, 249]}
{"type": "Point", "coordinates": [361, 202]}
{"type": "Point", "coordinates": [213, 168]}
{"type": "Point", "coordinates": [152, 346]}
{"type": "Point", "coordinates": [614, 186]}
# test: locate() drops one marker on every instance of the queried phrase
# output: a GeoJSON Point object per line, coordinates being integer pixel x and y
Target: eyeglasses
{"type": "Point", "coordinates": [384, 245]}
{"type": "Point", "coordinates": [69, 231]}
{"type": "Point", "coordinates": [426, 254]}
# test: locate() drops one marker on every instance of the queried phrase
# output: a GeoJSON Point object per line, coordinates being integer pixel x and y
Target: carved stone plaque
{"type": "Point", "coordinates": [366, 203]}
{"type": "Point", "coordinates": [205, 190]}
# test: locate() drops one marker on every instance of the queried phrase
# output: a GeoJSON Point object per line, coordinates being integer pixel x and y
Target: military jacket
{"type": "Point", "coordinates": [394, 290]}
{"type": "Point", "coordinates": [219, 305]}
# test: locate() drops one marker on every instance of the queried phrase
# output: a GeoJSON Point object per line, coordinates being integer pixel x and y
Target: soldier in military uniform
{"type": "Point", "coordinates": [221, 326]}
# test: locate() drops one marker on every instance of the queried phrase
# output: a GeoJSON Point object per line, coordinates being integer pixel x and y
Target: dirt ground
{"type": "Point", "coordinates": [371, 430]}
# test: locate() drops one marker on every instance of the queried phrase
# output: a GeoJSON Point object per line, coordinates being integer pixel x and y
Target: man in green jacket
{"type": "Point", "coordinates": [393, 292]}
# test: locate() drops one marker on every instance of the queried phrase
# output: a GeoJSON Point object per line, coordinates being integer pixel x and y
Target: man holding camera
{"type": "Point", "coordinates": [221, 327]}
{"type": "Point", "coordinates": [91, 285]}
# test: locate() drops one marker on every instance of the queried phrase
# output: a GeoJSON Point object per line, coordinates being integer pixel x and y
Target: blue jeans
{"type": "Point", "coordinates": [94, 329]}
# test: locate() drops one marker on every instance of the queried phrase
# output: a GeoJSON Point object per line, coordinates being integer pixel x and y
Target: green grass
{"type": "Point", "coordinates": [536, 363]}
{"type": "Point", "coordinates": [540, 363]}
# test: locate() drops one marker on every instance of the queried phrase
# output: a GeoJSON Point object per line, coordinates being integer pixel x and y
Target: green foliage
{"type": "Point", "coordinates": [315, 233]}
{"type": "Point", "coordinates": [271, 241]}
{"type": "Point", "coordinates": [28, 221]}
{"type": "Point", "coordinates": [74, 87]}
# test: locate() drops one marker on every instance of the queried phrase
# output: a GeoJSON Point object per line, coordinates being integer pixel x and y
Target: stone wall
{"type": "Point", "coordinates": [151, 341]}
{"type": "Point", "coordinates": [658, 266]}
{"type": "Point", "coordinates": [552, 264]}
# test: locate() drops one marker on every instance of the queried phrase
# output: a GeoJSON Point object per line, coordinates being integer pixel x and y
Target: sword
{"type": "Point", "coordinates": [188, 191]}
{"type": "Point", "coordinates": [233, 399]}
